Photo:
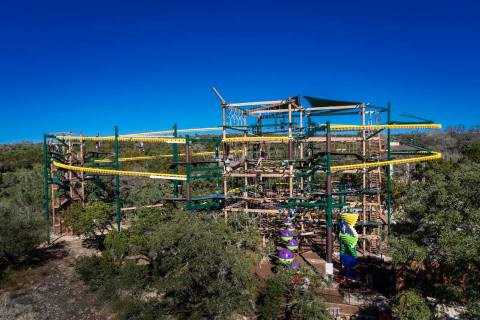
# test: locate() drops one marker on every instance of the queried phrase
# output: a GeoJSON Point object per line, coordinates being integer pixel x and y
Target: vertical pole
{"type": "Point", "coordinates": [301, 151]}
{"type": "Point", "coordinates": [290, 150]}
{"type": "Point", "coordinates": [245, 161]}
{"type": "Point", "coordinates": [389, 173]}
{"type": "Point", "coordinates": [328, 209]}
{"type": "Point", "coordinates": [117, 182]}
{"type": "Point", "coordinates": [175, 161]}
{"type": "Point", "coordinates": [187, 171]}
{"type": "Point", "coordinates": [46, 199]}
{"type": "Point", "coordinates": [224, 157]}
{"type": "Point", "coordinates": [364, 178]}
{"type": "Point", "coordinates": [98, 192]}
{"type": "Point", "coordinates": [310, 152]}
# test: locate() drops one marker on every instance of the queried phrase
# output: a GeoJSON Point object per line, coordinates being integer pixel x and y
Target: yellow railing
{"type": "Point", "coordinates": [160, 156]}
{"type": "Point", "coordinates": [124, 139]}
{"type": "Point", "coordinates": [433, 156]}
{"type": "Point", "coordinates": [348, 127]}
{"type": "Point", "coordinates": [153, 175]}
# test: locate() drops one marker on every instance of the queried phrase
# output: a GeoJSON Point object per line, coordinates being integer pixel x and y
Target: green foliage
{"type": "Point", "coordinates": [471, 151]}
{"type": "Point", "coordinates": [201, 266]}
{"type": "Point", "coordinates": [22, 226]}
{"type": "Point", "coordinates": [437, 224]}
{"type": "Point", "coordinates": [90, 220]}
{"type": "Point", "coordinates": [405, 250]}
{"type": "Point", "coordinates": [276, 287]}
{"type": "Point", "coordinates": [19, 156]}
{"type": "Point", "coordinates": [96, 271]}
{"type": "Point", "coordinates": [145, 191]}
{"type": "Point", "coordinates": [285, 298]}
{"type": "Point", "coordinates": [410, 305]}
{"type": "Point", "coordinates": [472, 311]}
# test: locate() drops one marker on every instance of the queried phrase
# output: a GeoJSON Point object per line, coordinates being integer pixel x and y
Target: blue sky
{"type": "Point", "coordinates": [89, 65]}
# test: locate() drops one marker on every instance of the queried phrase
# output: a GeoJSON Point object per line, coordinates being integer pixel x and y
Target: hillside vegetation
{"type": "Point", "coordinates": [174, 265]}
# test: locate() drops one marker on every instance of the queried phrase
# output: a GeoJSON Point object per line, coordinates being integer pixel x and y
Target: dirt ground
{"type": "Point", "coordinates": [48, 288]}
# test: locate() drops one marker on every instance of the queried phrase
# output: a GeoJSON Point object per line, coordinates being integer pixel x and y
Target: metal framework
{"type": "Point", "coordinates": [269, 155]}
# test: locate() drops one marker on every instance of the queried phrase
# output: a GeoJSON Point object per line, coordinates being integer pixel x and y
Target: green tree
{"type": "Point", "coordinates": [410, 305]}
{"type": "Point", "coordinates": [293, 297]}
{"type": "Point", "coordinates": [437, 224]}
{"type": "Point", "coordinates": [200, 266]}
{"type": "Point", "coordinates": [22, 226]}
{"type": "Point", "coordinates": [91, 220]}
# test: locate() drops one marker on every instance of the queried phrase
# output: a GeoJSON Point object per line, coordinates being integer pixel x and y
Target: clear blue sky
{"type": "Point", "coordinates": [88, 65]}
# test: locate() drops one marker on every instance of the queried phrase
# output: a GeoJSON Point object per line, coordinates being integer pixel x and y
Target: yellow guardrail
{"type": "Point", "coordinates": [348, 127]}
{"type": "Point", "coordinates": [124, 139]}
{"type": "Point", "coordinates": [254, 139]}
{"type": "Point", "coordinates": [169, 176]}
{"type": "Point", "coordinates": [153, 175]}
{"type": "Point", "coordinates": [171, 131]}
{"type": "Point", "coordinates": [160, 156]}
{"type": "Point", "coordinates": [433, 156]}
{"type": "Point", "coordinates": [334, 127]}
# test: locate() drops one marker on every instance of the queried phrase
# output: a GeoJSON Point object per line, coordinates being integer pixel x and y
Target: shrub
{"type": "Point", "coordinates": [22, 226]}
{"type": "Point", "coordinates": [96, 271]}
{"type": "Point", "coordinates": [90, 220]}
{"type": "Point", "coordinates": [285, 298]}
{"type": "Point", "coordinates": [197, 266]}
{"type": "Point", "coordinates": [410, 305]}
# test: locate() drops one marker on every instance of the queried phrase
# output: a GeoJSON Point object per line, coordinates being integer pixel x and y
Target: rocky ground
{"type": "Point", "coordinates": [48, 288]}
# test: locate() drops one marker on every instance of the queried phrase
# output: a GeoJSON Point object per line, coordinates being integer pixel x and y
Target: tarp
{"type": "Point", "coordinates": [318, 102]}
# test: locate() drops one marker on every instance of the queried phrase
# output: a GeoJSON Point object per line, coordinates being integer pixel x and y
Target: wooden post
{"type": "Point", "coordinates": [364, 179]}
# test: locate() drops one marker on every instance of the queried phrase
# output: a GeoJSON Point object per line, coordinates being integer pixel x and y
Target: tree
{"type": "Point", "coordinates": [471, 151]}
{"type": "Point", "coordinates": [199, 266]}
{"type": "Point", "coordinates": [410, 305]}
{"type": "Point", "coordinates": [293, 297]}
{"type": "Point", "coordinates": [22, 226]}
{"type": "Point", "coordinates": [437, 229]}
{"type": "Point", "coordinates": [90, 220]}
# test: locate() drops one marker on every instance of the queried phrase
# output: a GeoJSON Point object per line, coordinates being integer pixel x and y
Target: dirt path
{"type": "Point", "coordinates": [48, 288]}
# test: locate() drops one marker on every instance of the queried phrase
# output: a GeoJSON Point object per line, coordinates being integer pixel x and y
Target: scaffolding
{"type": "Point", "coordinates": [269, 156]}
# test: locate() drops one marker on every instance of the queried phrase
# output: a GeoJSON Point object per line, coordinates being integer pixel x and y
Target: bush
{"type": "Point", "coordinates": [22, 226]}
{"type": "Point", "coordinates": [285, 298]}
{"type": "Point", "coordinates": [90, 220]}
{"type": "Point", "coordinates": [96, 271]}
{"type": "Point", "coordinates": [410, 305]}
{"type": "Point", "coordinates": [196, 266]}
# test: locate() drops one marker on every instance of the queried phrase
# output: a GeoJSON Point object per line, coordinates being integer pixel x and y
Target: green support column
{"type": "Point", "coordinates": [175, 160]}
{"type": "Point", "coordinates": [329, 210]}
{"type": "Point", "coordinates": [389, 181]}
{"type": "Point", "coordinates": [46, 178]}
{"type": "Point", "coordinates": [188, 196]}
{"type": "Point", "coordinates": [117, 182]}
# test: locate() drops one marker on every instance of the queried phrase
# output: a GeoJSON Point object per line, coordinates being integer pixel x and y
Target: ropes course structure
{"type": "Point", "coordinates": [278, 160]}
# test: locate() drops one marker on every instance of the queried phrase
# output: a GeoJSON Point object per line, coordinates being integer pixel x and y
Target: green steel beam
{"type": "Point", "coordinates": [117, 182]}
{"type": "Point", "coordinates": [389, 157]}
{"type": "Point", "coordinates": [328, 207]}
{"type": "Point", "coordinates": [46, 198]}
{"type": "Point", "coordinates": [175, 160]}
{"type": "Point", "coordinates": [204, 176]}
{"type": "Point", "coordinates": [201, 169]}
{"type": "Point", "coordinates": [188, 196]}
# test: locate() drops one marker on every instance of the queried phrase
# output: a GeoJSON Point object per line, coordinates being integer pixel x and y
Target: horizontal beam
{"type": "Point", "coordinates": [433, 156]}
{"type": "Point", "coordinates": [353, 106]}
{"type": "Point", "coordinates": [160, 156]}
{"type": "Point", "coordinates": [348, 127]}
{"type": "Point", "coordinates": [153, 175]}
{"type": "Point", "coordinates": [257, 139]}
{"type": "Point", "coordinates": [124, 139]}
{"type": "Point", "coordinates": [255, 103]}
